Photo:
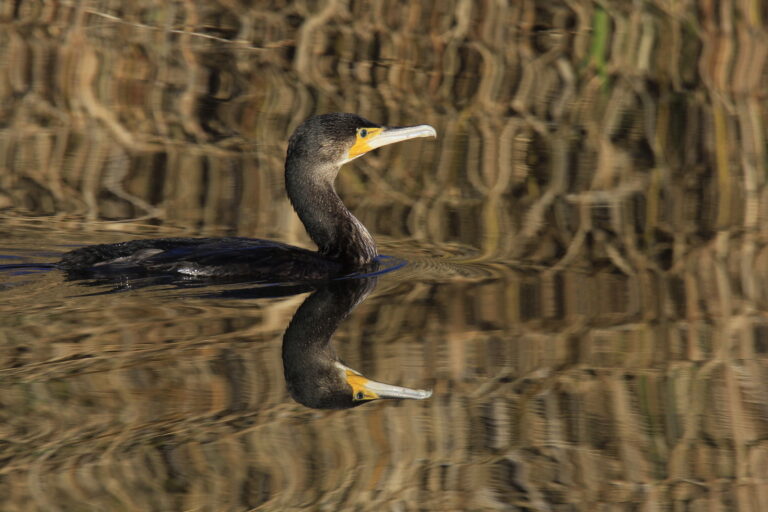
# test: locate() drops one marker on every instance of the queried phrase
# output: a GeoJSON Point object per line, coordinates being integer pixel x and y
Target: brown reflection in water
{"type": "Point", "coordinates": [620, 152]}
{"type": "Point", "coordinates": [548, 389]}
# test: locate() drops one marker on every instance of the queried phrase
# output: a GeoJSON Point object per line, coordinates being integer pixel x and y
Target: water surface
{"type": "Point", "coordinates": [587, 267]}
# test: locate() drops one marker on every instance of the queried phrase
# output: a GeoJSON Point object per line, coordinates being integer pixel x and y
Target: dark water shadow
{"type": "Point", "coordinates": [260, 290]}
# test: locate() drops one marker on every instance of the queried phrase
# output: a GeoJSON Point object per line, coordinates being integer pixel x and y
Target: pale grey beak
{"type": "Point", "coordinates": [389, 391]}
{"type": "Point", "coordinates": [364, 388]}
{"type": "Point", "coordinates": [393, 135]}
{"type": "Point", "coordinates": [377, 137]}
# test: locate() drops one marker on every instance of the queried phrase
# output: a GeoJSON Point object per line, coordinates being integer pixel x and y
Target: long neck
{"type": "Point", "coordinates": [338, 234]}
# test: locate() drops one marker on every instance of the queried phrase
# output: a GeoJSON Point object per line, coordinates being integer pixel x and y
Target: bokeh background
{"type": "Point", "coordinates": [587, 237]}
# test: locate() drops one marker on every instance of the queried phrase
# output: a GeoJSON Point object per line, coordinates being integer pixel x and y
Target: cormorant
{"type": "Point", "coordinates": [316, 151]}
{"type": "Point", "coordinates": [313, 373]}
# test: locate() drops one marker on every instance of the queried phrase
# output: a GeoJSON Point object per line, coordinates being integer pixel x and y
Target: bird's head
{"type": "Point", "coordinates": [331, 140]}
{"type": "Point", "coordinates": [341, 387]}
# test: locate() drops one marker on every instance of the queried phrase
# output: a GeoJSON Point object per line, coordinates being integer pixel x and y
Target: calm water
{"type": "Point", "coordinates": [587, 253]}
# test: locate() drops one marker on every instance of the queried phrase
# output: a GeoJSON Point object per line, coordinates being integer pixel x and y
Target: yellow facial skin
{"type": "Point", "coordinates": [365, 389]}
{"type": "Point", "coordinates": [368, 139]}
{"type": "Point", "coordinates": [362, 141]}
{"type": "Point", "coordinates": [359, 391]}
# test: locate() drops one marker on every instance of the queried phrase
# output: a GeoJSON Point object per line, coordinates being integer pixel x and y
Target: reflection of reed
{"type": "Point", "coordinates": [627, 144]}
{"type": "Point", "coordinates": [581, 400]}
{"type": "Point", "coordinates": [601, 121]}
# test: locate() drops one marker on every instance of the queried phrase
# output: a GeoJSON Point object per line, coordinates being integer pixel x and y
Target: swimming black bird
{"type": "Point", "coordinates": [316, 151]}
{"type": "Point", "coordinates": [313, 372]}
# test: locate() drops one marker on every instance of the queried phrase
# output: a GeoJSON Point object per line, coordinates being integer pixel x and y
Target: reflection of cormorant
{"type": "Point", "coordinates": [316, 151]}
{"type": "Point", "coordinates": [313, 373]}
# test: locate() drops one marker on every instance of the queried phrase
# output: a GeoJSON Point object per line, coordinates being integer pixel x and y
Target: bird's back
{"type": "Point", "coordinates": [231, 257]}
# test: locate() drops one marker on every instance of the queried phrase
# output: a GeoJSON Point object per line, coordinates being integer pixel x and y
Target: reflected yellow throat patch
{"type": "Point", "coordinates": [359, 391]}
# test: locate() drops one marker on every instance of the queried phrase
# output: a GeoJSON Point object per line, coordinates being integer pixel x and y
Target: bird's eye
{"type": "Point", "coordinates": [363, 133]}
{"type": "Point", "coordinates": [359, 395]}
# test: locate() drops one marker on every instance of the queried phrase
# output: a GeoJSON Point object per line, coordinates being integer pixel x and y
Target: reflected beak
{"type": "Point", "coordinates": [382, 390]}
{"type": "Point", "coordinates": [378, 137]}
{"type": "Point", "coordinates": [364, 388]}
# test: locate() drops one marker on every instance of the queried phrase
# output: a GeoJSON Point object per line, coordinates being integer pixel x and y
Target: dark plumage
{"type": "Point", "coordinates": [316, 151]}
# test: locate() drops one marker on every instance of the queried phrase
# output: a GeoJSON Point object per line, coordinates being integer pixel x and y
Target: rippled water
{"type": "Point", "coordinates": [586, 247]}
